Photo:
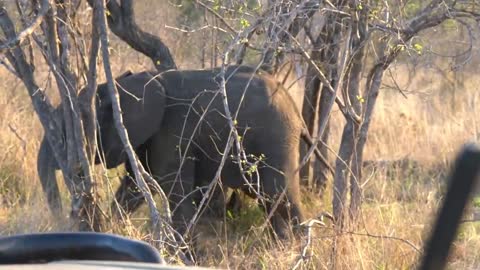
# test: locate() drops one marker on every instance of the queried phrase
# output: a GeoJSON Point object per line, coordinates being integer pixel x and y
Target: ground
{"type": "Point", "coordinates": [413, 139]}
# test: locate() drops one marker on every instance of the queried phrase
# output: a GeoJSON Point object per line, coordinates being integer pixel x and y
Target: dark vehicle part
{"type": "Point", "coordinates": [460, 187]}
{"type": "Point", "coordinates": [47, 247]}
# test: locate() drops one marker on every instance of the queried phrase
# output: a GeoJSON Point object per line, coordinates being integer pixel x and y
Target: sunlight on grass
{"type": "Point", "coordinates": [410, 147]}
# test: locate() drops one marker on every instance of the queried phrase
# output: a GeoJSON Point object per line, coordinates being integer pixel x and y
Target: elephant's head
{"type": "Point", "coordinates": [142, 101]}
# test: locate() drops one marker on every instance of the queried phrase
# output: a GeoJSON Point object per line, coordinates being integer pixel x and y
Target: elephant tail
{"type": "Point", "coordinates": [309, 141]}
{"type": "Point", "coordinates": [46, 166]}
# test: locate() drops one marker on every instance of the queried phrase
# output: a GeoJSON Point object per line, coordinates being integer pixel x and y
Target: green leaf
{"type": "Point", "coordinates": [360, 99]}
{"type": "Point", "coordinates": [244, 23]}
{"type": "Point", "coordinates": [418, 48]}
{"type": "Point", "coordinates": [229, 214]}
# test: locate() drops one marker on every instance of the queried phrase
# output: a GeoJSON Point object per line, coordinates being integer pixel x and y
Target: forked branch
{"type": "Point", "coordinates": [121, 20]}
{"type": "Point", "coordinates": [139, 171]}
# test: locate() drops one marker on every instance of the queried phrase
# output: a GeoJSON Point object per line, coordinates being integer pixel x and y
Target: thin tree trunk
{"type": "Point", "coordinates": [315, 109]}
{"type": "Point", "coordinates": [117, 115]}
{"type": "Point", "coordinates": [84, 206]}
{"type": "Point", "coordinates": [310, 106]}
{"type": "Point", "coordinates": [319, 179]}
{"type": "Point", "coordinates": [342, 172]}
{"type": "Point", "coordinates": [352, 98]}
{"type": "Point", "coordinates": [358, 50]}
{"type": "Point", "coordinates": [66, 137]}
{"type": "Point", "coordinates": [372, 94]}
{"type": "Point", "coordinates": [40, 101]}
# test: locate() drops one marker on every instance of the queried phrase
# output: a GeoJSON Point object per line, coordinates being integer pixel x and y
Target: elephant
{"type": "Point", "coordinates": [187, 151]}
{"type": "Point", "coordinates": [142, 102]}
{"type": "Point", "coordinates": [188, 130]}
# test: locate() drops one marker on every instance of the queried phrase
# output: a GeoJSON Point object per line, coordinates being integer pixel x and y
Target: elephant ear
{"type": "Point", "coordinates": [142, 100]}
{"type": "Point", "coordinates": [143, 103]}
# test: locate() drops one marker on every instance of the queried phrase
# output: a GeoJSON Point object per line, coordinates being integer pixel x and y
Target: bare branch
{"type": "Point", "coordinates": [283, 30]}
{"type": "Point", "coordinates": [17, 39]}
{"type": "Point", "coordinates": [322, 78]}
{"type": "Point", "coordinates": [137, 167]}
{"type": "Point", "coordinates": [121, 19]}
{"type": "Point", "coordinates": [218, 16]}
{"type": "Point", "coordinates": [40, 101]}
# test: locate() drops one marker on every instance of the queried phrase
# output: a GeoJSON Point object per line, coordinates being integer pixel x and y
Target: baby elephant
{"type": "Point", "coordinates": [189, 147]}
{"type": "Point", "coordinates": [177, 123]}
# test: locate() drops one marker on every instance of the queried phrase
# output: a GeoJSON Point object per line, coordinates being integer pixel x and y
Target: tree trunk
{"type": "Point", "coordinates": [342, 172]}
{"type": "Point", "coordinates": [65, 137]}
{"type": "Point", "coordinates": [353, 98]}
{"type": "Point", "coordinates": [310, 106]}
{"type": "Point", "coordinates": [315, 109]}
{"type": "Point", "coordinates": [372, 94]}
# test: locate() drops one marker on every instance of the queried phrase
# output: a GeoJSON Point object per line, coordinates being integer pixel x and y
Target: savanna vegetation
{"type": "Point", "coordinates": [388, 90]}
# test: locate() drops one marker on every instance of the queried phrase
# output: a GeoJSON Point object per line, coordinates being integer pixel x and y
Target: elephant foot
{"type": "Point", "coordinates": [286, 220]}
{"type": "Point", "coordinates": [128, 198]}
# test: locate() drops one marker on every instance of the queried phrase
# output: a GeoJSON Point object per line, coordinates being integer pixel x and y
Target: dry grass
{"type": "Point", "coordinates": [400, 202]}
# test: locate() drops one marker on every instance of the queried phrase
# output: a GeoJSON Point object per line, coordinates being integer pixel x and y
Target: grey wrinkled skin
{"type": "Point", "coordinates": [194, 129]}
{"type": "Point", "coordinates": [142, 101]}
{"type": "Point", "coordinates": [195, 126]}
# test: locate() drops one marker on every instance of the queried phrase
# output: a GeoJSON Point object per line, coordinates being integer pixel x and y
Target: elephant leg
{"type": "Point", "coordinates": [179, 191]}
{"type": "Point", "coordinates": [128, 196]}
{"type": "Point", "coordinates": [46, 166]}
{"type": "Point", "coordinates": [283, 190]}
{"type": "Point", "coordinates": [205, 171]}
{"type": "Point", "coordinates": [285, 210]}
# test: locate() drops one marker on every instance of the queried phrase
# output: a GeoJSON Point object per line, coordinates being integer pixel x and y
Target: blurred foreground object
{"type": "Point", "coordinates": [460, 187]}
{"type": "Point", "coordinates": [53, 251]}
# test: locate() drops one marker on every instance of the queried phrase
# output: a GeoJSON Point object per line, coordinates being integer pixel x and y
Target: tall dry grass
{"type": "Point", "coordinates": [415, 139]}
{"type": "Point", "coordinates": [400, 201]}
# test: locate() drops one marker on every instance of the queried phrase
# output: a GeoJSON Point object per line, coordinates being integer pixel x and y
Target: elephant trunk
{"type": "Point", "coordinates": [46, 167]}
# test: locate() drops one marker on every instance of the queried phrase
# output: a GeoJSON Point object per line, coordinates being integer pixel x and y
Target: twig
{"type": "Point", "coordinates": [303, 256]}
{"type": "Point", "coordinates": [196, 30]}
{"type": "Point", "coordinates": [470, 220]}
{"type": "Point", "coordinates": [27, 31]}
{"type": "Point", "coordinates": [405, 241]}
{"type": "Point", "coordinates": [218, 16]}
{"type": "Point", "coordinates": [137, 167]}
{"type": "Point", "coordinates": [8, 67]}
{"type": "Point", "coordinates": [15, 132]}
